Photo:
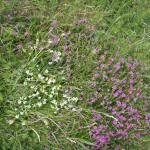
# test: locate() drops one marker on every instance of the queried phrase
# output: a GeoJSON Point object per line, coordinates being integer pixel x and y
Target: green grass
{"type": "Point", "coordinates": [121, 25]}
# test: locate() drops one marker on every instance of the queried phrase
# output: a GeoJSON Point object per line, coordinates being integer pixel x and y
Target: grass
{"type": "Point", "coordinates": [120, 25]}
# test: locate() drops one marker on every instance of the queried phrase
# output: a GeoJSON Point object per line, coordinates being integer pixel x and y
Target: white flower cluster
{"type": "Point", "coordinates": [41, 89]}
{"type": "Point", "coordinates": [40, 86]}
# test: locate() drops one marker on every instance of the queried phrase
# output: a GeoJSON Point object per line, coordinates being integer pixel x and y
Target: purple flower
{"type": "Point", "coordinates": [133, 66]}
{"type": "Point", "coordinates": [132, 81]}
{"type": "Point", "coordinates": [129, 66]}
{"type": "Point", "coordinates": [116, 94]}
{"type": "Point", "coordinates": [123, 95]}
{"type": "Point", "coordinates": [119, 104]}
{"type": "Point", "coordinates": [66, 47]}
{"type": "Point", "coordinates": [116, 148]}
{"type": "Point", "coordinates": [122, 118]}
{"type": "Point", "coordinates": [115, 122]}
{"type": "Point", "coordinates": [117, 66]}
{"type": "Point", "coordinates": [102, 139]}
{"type": "Point", "coordinates": [137, 135]}
{"type": "Point", "coordinates": [56, 40]}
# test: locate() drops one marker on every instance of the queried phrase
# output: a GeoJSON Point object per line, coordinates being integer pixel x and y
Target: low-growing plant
{"type": "Point", "coordinates": [119, 91]}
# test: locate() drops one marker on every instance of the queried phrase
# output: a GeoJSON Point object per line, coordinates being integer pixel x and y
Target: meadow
{"type": "Point", "coordinates": [74, 74]}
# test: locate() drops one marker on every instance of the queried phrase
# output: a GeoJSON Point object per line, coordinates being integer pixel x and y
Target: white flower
{"type": "Point", "coordinates": [64, 95]}
{"type": "Point", "coordinates": [51, 81]}
{"type": "Point", "coordinates": [44, 101]}
{"type": "Point", "coordinates": [39, 104]}
{"type": "Point", "coordinates": [23, 123]}
{"type": "Point", "coordinates": [37, 93]}
{"type": "Point", "coordinates": [10, 122]}
{"type": "Point", "coordinates": [40, 77]}
{"type": "Point", "coordinates": [50, 96]}
{"type": "Point", "coordinates": [50, 62]}
{"type": "Point", "coordinates": [31, 74]}
{"type": "Point", "coordinates": [54, 102]}
{"type": "Point", "coordinates": [56, 56]}
{"type": "Point", "coordinates": [21, 113]}
{"type": "Point", "coordinates": [17, 116]}
{"type": "Point", "coordinates": [25, 83]}
{"type": "Point", "coordinates": [24, 102]}
{"type": "Point", "coordinates": [28, 106]}
{"type": "Point", "coordinates": [75, 99]}
{"type": "Point", "coordinates": [27, 72]}
{"type": "Point", "coordinates": [50, 41]}
{"type": "Point", "coordinates": [46, 71]}
{"type": "Point", "coordinates": [32, 87]}
{"type": "Point", "coordinates": [19, 102]}
{"type": "Point", "coordinates": [51, 51]}
{"type": "Point", "coordinates": [29, 96]}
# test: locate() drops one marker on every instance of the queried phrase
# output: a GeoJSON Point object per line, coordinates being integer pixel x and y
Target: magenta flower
{"type": "Point", "coordinates": [115, 122]}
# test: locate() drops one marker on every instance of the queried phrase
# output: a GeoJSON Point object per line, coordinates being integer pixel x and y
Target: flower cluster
{"type": "Point", "coordinates": [42, 85]}
{"type": "Point", "coordinates": [118, 92]}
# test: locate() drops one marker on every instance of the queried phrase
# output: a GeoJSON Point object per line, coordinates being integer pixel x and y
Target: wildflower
{"type": "Point", "coordinates": [117, 66]}
{"type": "Point", "coordinates": [23, 123]}
{"type": "Point", "coordinates": [19, 46]}
{"type": "Point", "coordinates": [56, 40]}
{"type": "Point", "coordinates": [116, 148]}
{"type": "Point", "coordinates": [10, 122]}
{"type": "Point", "coordinates": [17, 116]}
{"type": "Point", "coordinates": [56, 56]}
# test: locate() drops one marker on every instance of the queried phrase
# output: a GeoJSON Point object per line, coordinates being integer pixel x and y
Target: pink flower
{"type": "Point", "coordinates": [117, 66]}
{"type": "Point", "coordinates": [129, 66]}
{"type": "Point", "coordinates": [26, 34]}
{"type": "Point", "coordinates": [96, 75]}
{"type": "Point", "coordinates": [123, 95]}
{"type": "Point", "coordinates": [115, 122]}
{"type": "Point", "coordinates": [112, 79]}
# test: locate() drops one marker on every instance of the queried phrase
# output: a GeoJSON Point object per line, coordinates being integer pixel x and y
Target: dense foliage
{"type": "Point", "coordinates": [74, 75]}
